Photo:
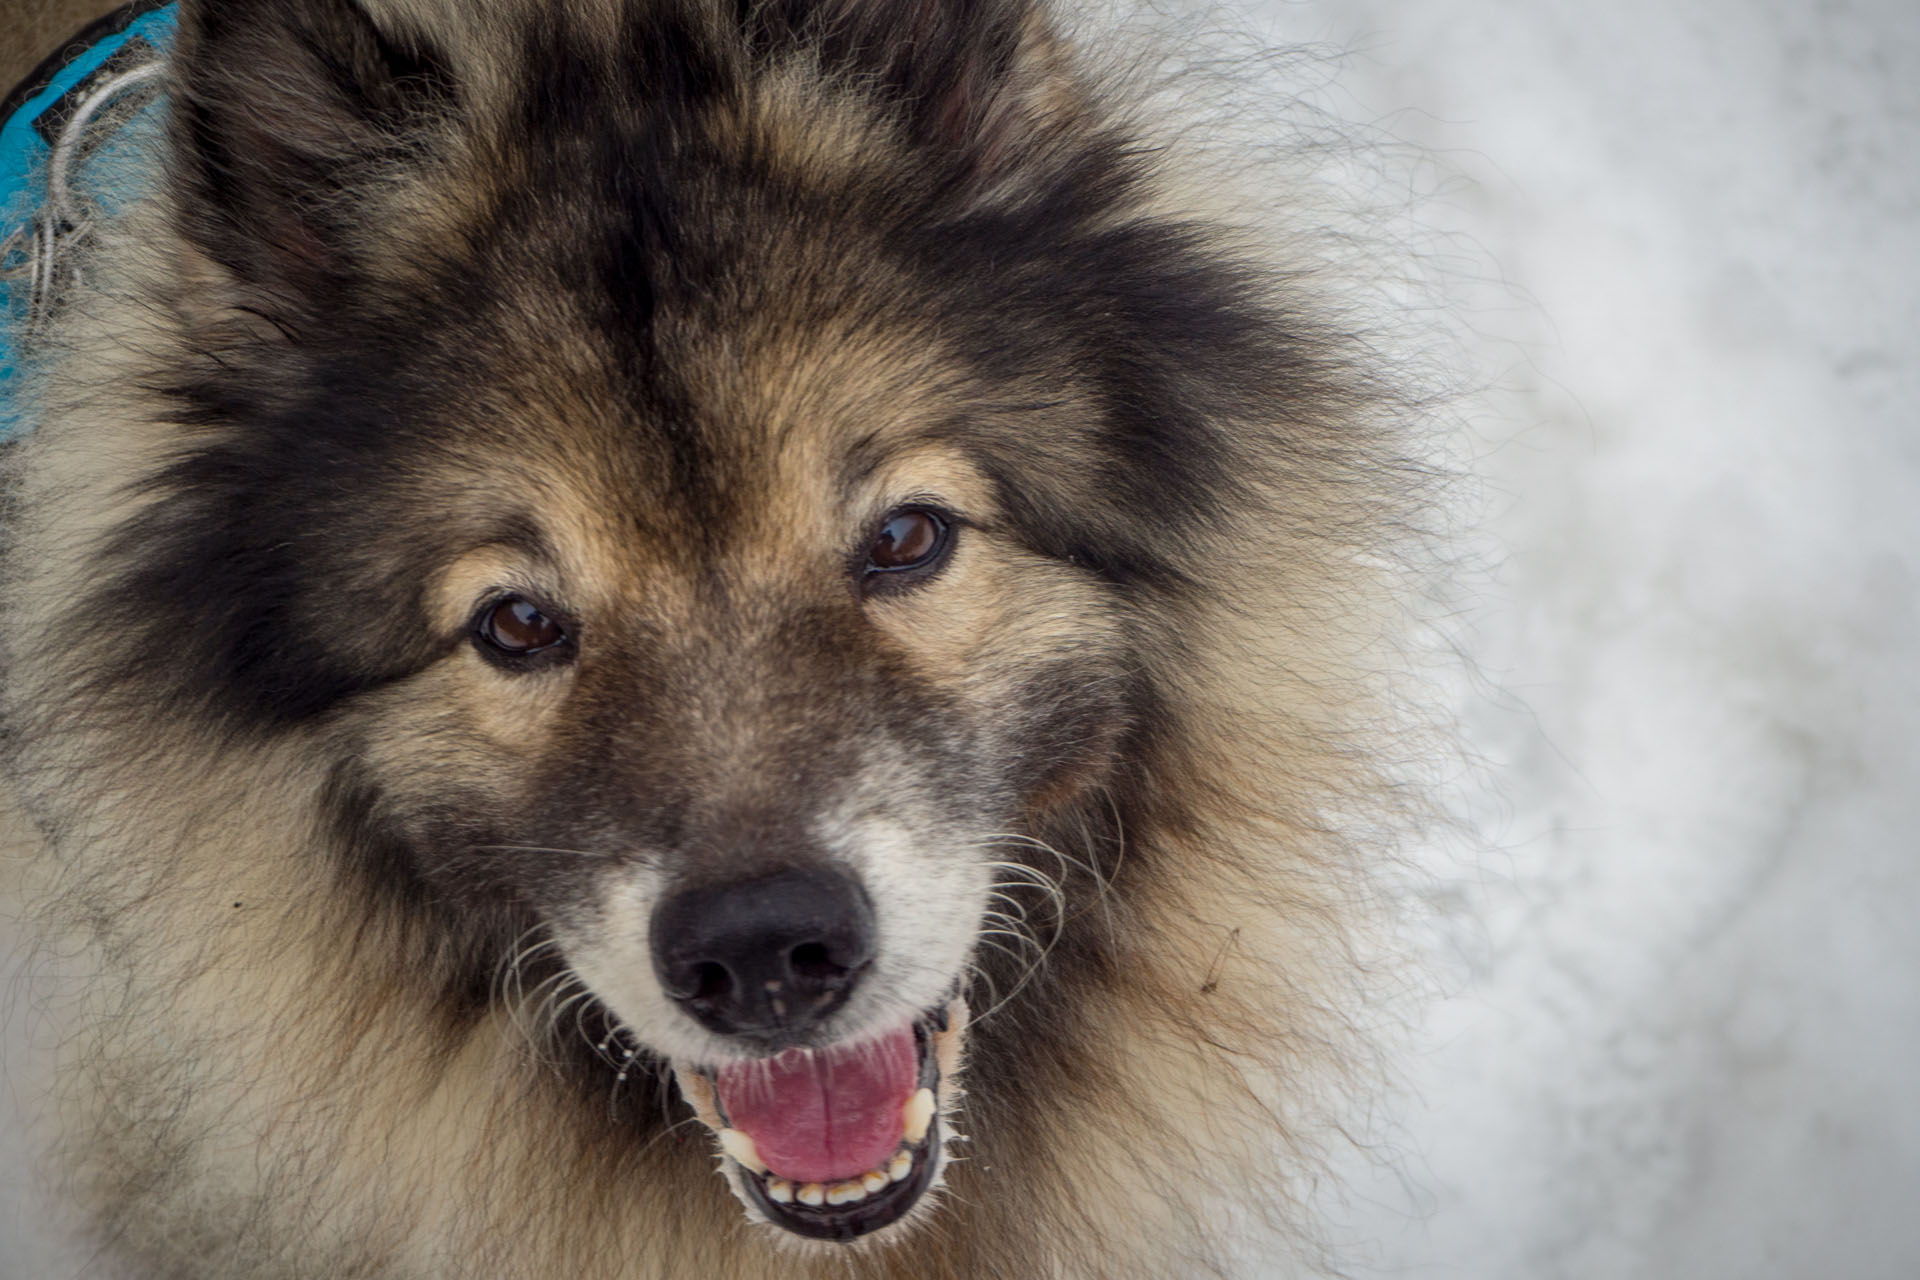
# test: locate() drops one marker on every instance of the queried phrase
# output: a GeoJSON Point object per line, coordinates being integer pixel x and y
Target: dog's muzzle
{"type": "Point", "coordinates": [832, 1141]}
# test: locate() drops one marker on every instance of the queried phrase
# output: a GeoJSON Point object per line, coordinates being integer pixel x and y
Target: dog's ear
{"type": "Point", "coordinates": [291, 119]}
{"type": "Point", "coordinates": [982, 79]}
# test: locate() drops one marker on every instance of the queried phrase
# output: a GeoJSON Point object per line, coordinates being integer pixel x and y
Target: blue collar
{"type": "Point", "coordinates": [62, 130]}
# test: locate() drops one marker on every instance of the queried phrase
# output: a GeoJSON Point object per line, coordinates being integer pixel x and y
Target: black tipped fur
{"type": "Point", "coordinates": [576, 305]}
{"type": "Point", "coordinates": [612, 194]}
{"type": "Point", "coordinates": [281, 111]}
{"type": "Point", "coordinates": [256, 579]}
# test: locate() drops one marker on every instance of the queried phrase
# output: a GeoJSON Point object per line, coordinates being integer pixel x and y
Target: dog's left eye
{"type": "Point", "coordinates": [514, 627]}
{"type": "Point", "coordinates": [910, 538]}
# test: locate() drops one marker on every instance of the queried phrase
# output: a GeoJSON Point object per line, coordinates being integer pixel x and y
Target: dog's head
{"type": "Point", "coordinates": [702, 468]}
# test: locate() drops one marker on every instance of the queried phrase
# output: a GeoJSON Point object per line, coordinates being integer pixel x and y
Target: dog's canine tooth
{"type": "Point", "coordinates": [918, 1114]}
{"type": "Point", "coordinates": [740, 1146]}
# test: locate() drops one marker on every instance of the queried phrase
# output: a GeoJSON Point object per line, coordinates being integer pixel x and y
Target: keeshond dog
{"type": "Point", "coordinates": [685, 638]}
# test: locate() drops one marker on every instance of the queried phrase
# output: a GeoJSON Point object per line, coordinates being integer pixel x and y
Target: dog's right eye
{"type": "Point", "coordinates": [513, 627]}
{"type": "Point", "coordinates": [910, 542]}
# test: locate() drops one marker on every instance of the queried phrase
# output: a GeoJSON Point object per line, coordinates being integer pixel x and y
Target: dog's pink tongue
{"type": "Point", "coordinates": [821, 1117]}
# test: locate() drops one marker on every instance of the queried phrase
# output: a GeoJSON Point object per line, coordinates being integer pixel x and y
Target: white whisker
{"type": "Point", "coordinates": [539, 848]}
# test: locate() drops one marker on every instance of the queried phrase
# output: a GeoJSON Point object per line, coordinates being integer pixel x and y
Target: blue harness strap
{"type": "Point", "coordinates": [62, 130]}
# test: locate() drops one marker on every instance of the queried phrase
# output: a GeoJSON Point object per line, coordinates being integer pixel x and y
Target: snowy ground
{"type": "Point", "coordinates": [1685, 969]}
{"type": "Point", "coordinates": [1687, 976]}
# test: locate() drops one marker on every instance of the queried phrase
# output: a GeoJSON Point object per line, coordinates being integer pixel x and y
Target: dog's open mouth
{"type": "Point", "coordinates": [836, 1143]}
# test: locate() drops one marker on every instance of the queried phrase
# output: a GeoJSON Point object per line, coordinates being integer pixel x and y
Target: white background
{"type": "Point", "coordinates": [1682, 960]}
{"type": "Point", "coordinates": [1684, 1016]}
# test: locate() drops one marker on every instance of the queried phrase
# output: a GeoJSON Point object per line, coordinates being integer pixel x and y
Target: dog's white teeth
{"type": "Point", "coordinates": [846, 1191]}
{"type": "Point", "coordinates": [918, 1114]}
{"type": "Point", "coordinates": [740, 1147]}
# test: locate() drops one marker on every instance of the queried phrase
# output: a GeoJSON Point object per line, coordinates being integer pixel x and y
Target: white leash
{"type": "Point", "coordinates": [64, 219]}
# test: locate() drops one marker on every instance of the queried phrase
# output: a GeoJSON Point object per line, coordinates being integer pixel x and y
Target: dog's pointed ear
{"type": "Point", "coordinates": [290, 118]}
{"type": "Point", "coordinates": [982, 79]}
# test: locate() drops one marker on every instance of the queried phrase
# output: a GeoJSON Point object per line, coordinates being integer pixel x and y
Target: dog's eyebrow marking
{"type": "Point", "coordinates": [877, 449]}
{"type": "Point", "coordinates": [521, 533]}
{"type": "Point", "coordinates": [863, 459]}
{"type": "Point", "coordinates": [514, 557]}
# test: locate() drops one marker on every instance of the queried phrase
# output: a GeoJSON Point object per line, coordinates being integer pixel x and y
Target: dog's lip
{"type": "Point", "coordinates": [938, 1037]}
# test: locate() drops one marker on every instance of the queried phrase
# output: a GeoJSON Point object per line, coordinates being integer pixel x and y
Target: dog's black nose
{"type": "Point", "coordinates": [768, 957]}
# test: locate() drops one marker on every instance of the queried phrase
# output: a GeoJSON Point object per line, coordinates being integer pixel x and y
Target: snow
{"type": "Point", "coordinates": [1679, 1032]}
{"type": "Point", "coordinates": [1681, 970]}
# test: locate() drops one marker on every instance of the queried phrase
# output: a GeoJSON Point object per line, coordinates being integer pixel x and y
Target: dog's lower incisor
{"type": "Point", "coordinates": [681, 638]}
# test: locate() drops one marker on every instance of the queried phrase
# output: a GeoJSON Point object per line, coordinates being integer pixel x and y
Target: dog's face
{"type": "Point", "coordinates": [738, 700]}
{"type": "Point", "coordinates": [738, 693]}
{"type": "Point", "coordinates": [690, 466]}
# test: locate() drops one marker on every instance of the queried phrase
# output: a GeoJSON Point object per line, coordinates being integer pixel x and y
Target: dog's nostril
{"type": "Point", "coordinates": [711, 982]}
{"type": "Point", "coordinates": [810, 960]}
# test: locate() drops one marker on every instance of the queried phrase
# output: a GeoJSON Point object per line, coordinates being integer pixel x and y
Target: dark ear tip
{"type": "Point", "coordinates": [966, 76]}
{"type": "Point", "coordinates": [281, 107]}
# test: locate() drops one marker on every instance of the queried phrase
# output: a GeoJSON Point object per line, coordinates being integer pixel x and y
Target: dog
{"type": "Point", "coordinates": [682, 638]}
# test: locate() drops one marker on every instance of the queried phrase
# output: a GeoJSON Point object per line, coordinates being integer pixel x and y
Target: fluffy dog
{"type": "Point", "coordinates": [609, 587]}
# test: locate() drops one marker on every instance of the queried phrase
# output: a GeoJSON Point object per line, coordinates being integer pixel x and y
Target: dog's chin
{"type": "Point", "coordinates": [840, 1177]}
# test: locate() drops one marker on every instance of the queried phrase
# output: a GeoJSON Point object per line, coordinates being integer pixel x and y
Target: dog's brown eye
{"type": "Point", "coordinates": [911, 538]}
{"type": "Point", "coordinates": [516, 628]}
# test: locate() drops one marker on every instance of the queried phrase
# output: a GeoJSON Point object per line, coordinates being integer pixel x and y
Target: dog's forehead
{"type": "Point", "coordinates": [762, 451]}
{"type": "Point", "coordinates": [695, 318]}
{"type": "Point", "coordinates": [727, 379]}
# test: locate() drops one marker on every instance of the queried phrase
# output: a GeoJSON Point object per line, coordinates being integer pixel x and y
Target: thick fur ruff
{"type": "Point", "coordinates": [614, 303]}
